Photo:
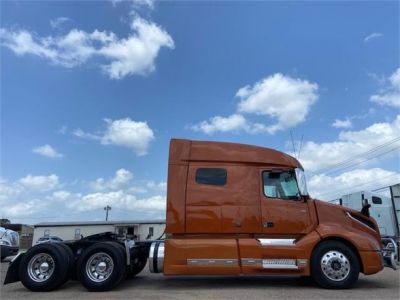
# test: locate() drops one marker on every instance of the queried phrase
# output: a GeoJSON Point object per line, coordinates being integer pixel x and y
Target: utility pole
{"type": "Point", "coordinates": [107, 208]}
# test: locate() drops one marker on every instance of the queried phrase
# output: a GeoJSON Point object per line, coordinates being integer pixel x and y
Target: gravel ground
{"type": "Point", "coordinates": [384, 285]}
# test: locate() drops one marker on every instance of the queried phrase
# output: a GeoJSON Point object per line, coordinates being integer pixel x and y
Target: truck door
{"type": "Point", "coordinates": [284, 213]}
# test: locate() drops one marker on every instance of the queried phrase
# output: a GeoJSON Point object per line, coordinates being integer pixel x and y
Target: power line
{"type": "Point", "coordinates": [358, 185]}
{"type": "Point", "coordinates": [351, 159]}
{"type": "Point", "coordinates": [363, 161]}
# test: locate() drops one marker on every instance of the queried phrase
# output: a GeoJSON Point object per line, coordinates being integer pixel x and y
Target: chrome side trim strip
{"type": "Point", "coordinates": [279, 264]}
{"type": "Point", "coordinates": [272, 263]}
{"type": "Point", "coordinates": [275, 263]}
{"type": "Point", "coordinates": [251, 261]}
{"type": "Point", "coordinates": [277, 242]}
{"type": "Point", "coordinates": [211, 262]}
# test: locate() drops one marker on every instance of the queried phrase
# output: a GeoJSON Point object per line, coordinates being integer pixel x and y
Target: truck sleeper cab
{"type": "Point", "coordinates": [232, 209]}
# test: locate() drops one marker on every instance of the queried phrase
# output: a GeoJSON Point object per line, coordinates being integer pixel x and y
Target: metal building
{"type": "Point", "coordinates": [133, 229]}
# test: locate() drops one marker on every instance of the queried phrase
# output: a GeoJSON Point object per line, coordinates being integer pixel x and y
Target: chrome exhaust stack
{"type": "Point", "coordinates": [156, 257]}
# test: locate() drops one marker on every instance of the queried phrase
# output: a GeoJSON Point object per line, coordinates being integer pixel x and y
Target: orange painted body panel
{"type": "Point", "coordinates": [196, 249]}
{"type": "Point", "coordinates": [176, 214]}
{"type": "Point", "coordinates": [372, 262]}
{"type": "Point", "coordinates": [335, 222]}
{"type": "Point", "coordinates": [251, 248]}
{"type": "Point", "coordinates": [232, 208]}
{"type": "Point", "coordinates": [216, 229]}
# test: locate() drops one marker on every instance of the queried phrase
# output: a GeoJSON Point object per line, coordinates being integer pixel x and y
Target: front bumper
{"type": "Point", "coordinates": [390, 253]}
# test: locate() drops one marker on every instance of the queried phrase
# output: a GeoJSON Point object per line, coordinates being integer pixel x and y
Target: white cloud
{"type": "Point", "coordinates": [133, 55]}
{"type": "Point", "coordinates": [136, 55]}
{"type": "Point", "coordinates": [40, 183]}
{"type": "Point", "coordinates": [162, 185]}
{"type": "Point", "coordinates": [121, 178]}
{"type": "Point", "coordinates": [127, 133]}
{"type": "Point", "coordinates": [136, 3]}
{"type": "Point", "coordinates": [31, 198]}
{"type": "Point", "coordinates": [22, 209]}
{"type": "Point", "coordinates": [8, 190]}
{"type": "Point", "coordinates": [48, 151]}
{"type": "Point", "coordinates": [332, 187]}
{"type": "Point", "coordinates": [61, 195]}
{"type": "Point", "coordinates": [391, 94]}
{"type": "Point", "coordinates": [277, 96]}
{"type": "Point", "coordinates": [134, 135]}
{"type": "Point", "coordinates": [148, 3]}
{"type": "Point", "coordinates": [234, 122]}
{"type": "Point", "coordinates": [118, 199]}
{"type": "Point", "coordinates": [62, 130]}
{"type": "Point", "coordinates": [372, 36]}
{"type": "Point", "coordinates": [58, 22]}
{"type": "Point", "coordinates": [350, 144]}
{"type": "Point", "coordinates": [342, 123]}
{"type": "Point", "coordinates": [85, 135]}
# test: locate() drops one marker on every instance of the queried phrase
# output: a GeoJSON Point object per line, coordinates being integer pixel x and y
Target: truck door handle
{"type": "Point", "coordinates": [238, 224]}
{"type": "Point", "coordinates": [268, 224]}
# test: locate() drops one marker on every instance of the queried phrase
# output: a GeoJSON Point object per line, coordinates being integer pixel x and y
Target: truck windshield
{"type": "Point", "coordinates": [282, 185]}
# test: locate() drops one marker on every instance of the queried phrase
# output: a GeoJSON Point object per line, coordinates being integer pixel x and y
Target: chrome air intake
{"type": "Point", "coordinates": [156, 257]}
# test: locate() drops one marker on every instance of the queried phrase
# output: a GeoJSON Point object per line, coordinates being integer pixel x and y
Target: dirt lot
{"type": "Point", "coordinates": [384, 285]}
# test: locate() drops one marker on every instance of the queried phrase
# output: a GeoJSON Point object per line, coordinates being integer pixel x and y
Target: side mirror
{"type": "Point", "coordinates": [365, 207]}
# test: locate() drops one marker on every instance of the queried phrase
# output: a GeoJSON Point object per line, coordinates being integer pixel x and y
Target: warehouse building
{"type": "Point", "coordinates": [131, 229]}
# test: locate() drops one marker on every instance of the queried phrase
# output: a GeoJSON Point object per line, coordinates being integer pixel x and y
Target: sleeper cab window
{"type": "Point", "coordinates": [376, 200]}
{"type": "Point", "coordinates": [211, 176]}
{"type": "Point", "coordinates": [281, 185]}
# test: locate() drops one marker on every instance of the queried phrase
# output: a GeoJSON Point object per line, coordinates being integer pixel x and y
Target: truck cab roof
{"type": "Point", "coordinates": [185, 151]}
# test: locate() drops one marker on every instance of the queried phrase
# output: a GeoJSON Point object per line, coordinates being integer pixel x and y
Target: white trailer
{"type": "Point", "coordinates": [9, 242]}
{"type": "Point", "coordinates": [382, 210]}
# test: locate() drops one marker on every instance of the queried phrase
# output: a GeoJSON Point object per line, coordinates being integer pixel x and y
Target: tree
{"type": "Point", "coordinates": [4, 221]}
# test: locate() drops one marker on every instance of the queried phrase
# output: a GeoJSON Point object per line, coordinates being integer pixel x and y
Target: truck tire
{"type": "Point", "coordinates": [101, 267]}
{"type": "Point", "coordinates": [123, 252]}
{"type": "Point", "coordinates": [334, 265]}
{"type": "Point", "coordinates": [43, 268]}
{"type": "Point", "coordinates": [69, 259]}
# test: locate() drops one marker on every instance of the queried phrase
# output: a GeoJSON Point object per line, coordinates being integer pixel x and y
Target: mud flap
{"type": "Point", "coordinates": [12, 272]}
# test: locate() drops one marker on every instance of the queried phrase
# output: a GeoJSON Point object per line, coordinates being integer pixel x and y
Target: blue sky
{"type": "Point", "coordinates": [90, 88]}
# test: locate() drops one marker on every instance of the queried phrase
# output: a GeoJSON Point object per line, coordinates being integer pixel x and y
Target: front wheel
{"type": "Point", "coordinates": [334, 265]}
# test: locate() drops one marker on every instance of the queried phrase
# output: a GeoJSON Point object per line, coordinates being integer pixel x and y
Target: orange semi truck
{"type": "Point", "coordinates": [232, 209]}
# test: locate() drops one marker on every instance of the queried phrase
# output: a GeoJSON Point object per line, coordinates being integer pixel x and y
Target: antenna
{"type": "Point", "coordinates": [301, 145]}
{"type": "Point", "coordinates": [294, 147]}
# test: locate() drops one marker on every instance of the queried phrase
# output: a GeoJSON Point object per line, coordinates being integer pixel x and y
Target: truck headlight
{"type": "Point", "coordinates": [5, 243]}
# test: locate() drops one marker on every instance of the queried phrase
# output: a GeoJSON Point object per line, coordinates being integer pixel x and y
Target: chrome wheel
{"type": "Point", "coordinates": [41, 267]}
{"type": "Point", "coordinates": [335, 265]}
{"type": "Point", "coordinates": [99, 267]}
